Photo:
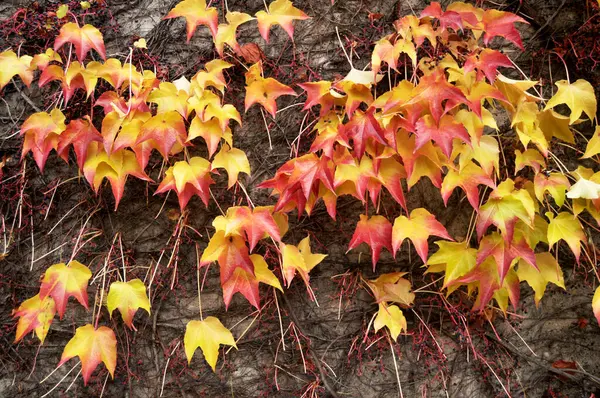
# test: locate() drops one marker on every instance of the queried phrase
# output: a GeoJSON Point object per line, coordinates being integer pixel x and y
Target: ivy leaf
{"type": "Point", "coordinates": [375, 231]}
{"type": "Point", "coordinates": [115, 168]}
{"type": "Point", "coordinates": [242, 282]}
{"type": "Point", "coordinates": [264, 91]}
{"type": "Point", "coordinates": [504, 207]}
{"type": "Point", "coordinates": [196, 13]}
{"type": "Point", "coordinates": [456, 259]}
{"type": "Point", "coordinates": [362, 128]}
{"type": "Point", "coordinates": [211, 132]}
{"type": "Point", "coordinates": [11, 65]}
{"type": "Point", "coordinates": [392, 287]}
{"type": "Point", "coordinates": [593, 146]}
{"type": "Point", "coordinates": [531, 157]}
{"type": "Point", "coordinates": [256, 223]}
{"type": "Point", "coordinates": [92, 346]}
{"type": "Point", "coordinates": [62, 281]}
{"type": "Point", "coordinates": [556, 184]}
{"type": "Point", "coordinates": [188, 179]}
{"type": "Point", "coordinates": [83, 38]}
{"type": "Point", "coordinates": [392, 317]}
{"type": "Point", "coordinates": [42, 131]}
{"type": "Point", "coordinates": [299, 259]}
{"type": "Point", "coordinates": [565, 226]}
{"type": "Point", "coordinates": [79, 133]}
{"type": "Point", "coordinates": [40, 61]}
{"type": "Point", "coordinates": [227, 33]}
{"type": "Point", "coordinates": [584, 189]}
{"type": "Point", "coordinates": [35, 314]}
{"type": "Point", "coordinates": [163, 131]}
{"type": "Point", "coordinates": [434, 90]}
{"type": "Point", "coordinates": [578, 96]}
{"type": "Point", "coordinates": [231, 252]}
{"type": "Point", "coordinates": [501, 23]}
{"type": "Point", "coordinates": [212, 75]}
{"type": "Point", "coordinates": [417, 228]}
{"type": "Point", "coordinates": [504, 253]}
{"type": "Point", "coordinates": [281, 12]}
{"type": "Point", "coordinates": [485, 276]}
{"type": "Point", "coordinates": [207, 334]}
{"type": "Point", "coordinates": [127, 297]}
{"type": "Point", "coordinates": [468, 178]}
{"type": "Point", "coordinates": [487, 63]}
{"type": "Point", "coordinates": [548, 272]}
{"type": "Point", "coordinates": [263, 273]}
{"type": "Point", "coordinates": [442, 132]}
{"type": "Point", "coordinates": [168, 97]}
{"type": "Point", "coordinates": [234, 161]}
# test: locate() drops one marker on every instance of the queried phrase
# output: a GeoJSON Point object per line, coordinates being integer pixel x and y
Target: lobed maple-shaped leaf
{"type": "Point", "coordinates": [417, 228]}
{"type": "Point", "coordinates": [244, 283]}
{"type": "Point", "coordinates": [79, 133]}
{"type": "Point", "coordinates": [448, 18]}
{"type": "Point", "coordinates": [425, 161]}
{"type": "Point", "coordinates": [392, 287]}
{"type": "Point", "coordinates": [531, 157]}
{"type": "Point", "coordinates": [227, 33]}
{"type": "Point", "coordinates": [164, 131]}
{"type": "Point", "coordinates": [362, 128]}
{"type": "Point", "coordinates": [92, 346]}
{"type": "Point", "coordinates": [455, 259]}
{"type": "Point", "coordinates": [35, 314]}
{"type": "Point", "coordinates": [578, 96]}
{"type": "Point", "coordinates": [211, 132]}
{"type": "Point", "coordinates": [188, 179]}
{"type": "Point", "coordinates": [501, 23]}
{"type": "Point", "coordinates": [299, 259]}
{"type": "Point", "coordinates": [230, 252]}
{"type": "Point", "coordinates": [254, 223]}
{"type": "Point", "coordinates": [487, 62]}
{"type": "Point", "coordinates": [62, 281]}
{"type": "Point", "coordinates": [593, 146]}
{"type": "Point", "coordinates": [442, 132]}
{"type": "Point", "coordinates": [169, 98]}
{"type": "Point", "coordinates": [392, 317]}
{"type": "Point", "coordinates": [42, 131]}
{"type": "Point", "coordinates": [548, 271]}
{"type": "Point", "coordinates": [196, 12]}
{"type": "Point", "coordinates": [264, 91]}
{"type": "Point", "coordinates": [208, 334]}
{"type": "Point", "coordinates": [375, 231]}
{"type": "Point", "coordinates": [504, 207]}
{"type": "Point", "coordinates": [83, 38]}
{"type": "Point", "coordinates": [42, 60]}
{"type": "Point", "coordinates": [127, 297]}
{"type": "Point", "coordinates": [12, 65]}
{"type": "Point", "coordinates": [262, 272]}
{"type": "Point", "coordinates": [115, 167]}
{"type": "Point", "coordinates": [233, 160]}
{"type": "Point", "coordinates": [435, 90]}
{"type": "Point", "coordinates": [565, 226]}
{"type": "Point", "coordinates": [468, 178]}
{"type": "Point", "coordinates": [555, 183]}
{"type": "Point", "coordinates": [282, 13]}
{"type": "Point", "coordinates": [504, 253]}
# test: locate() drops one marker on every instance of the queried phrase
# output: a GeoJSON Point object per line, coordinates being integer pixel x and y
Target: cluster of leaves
{"type": "Point", "coordinates": [436, 121]}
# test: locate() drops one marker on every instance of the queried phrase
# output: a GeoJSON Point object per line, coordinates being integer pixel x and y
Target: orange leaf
{"type": "Point", "coordinates": [264, 91]}
{"type": "Point", "coordinates": [42, 131]}
{"type": "Point", "coordinates": [501, 23]}
{"type": "Point", "coordinates": [164, 131]}
{"type": "Point", "coordinates": [92, 346]}
{"type": "Point", "coordinates": [62, 281]}
{"type": "Point", "coordinates": [79, 133]}
{"type": "Point", "coordinates": [83, 38]}
{"type": "Point", "coordinates": [188, 178]}
{"type": "Point", "coordinates": [35, 314]}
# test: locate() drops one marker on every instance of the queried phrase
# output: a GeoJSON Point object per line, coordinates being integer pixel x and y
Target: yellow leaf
{"type": "Point", "coordinates": [141, 43]}
{"type": "Point", "coordinates": [456, 257]}
{"type": "Point", "coordinates": [549, 272]}
{"type": "Point", "coordinates": [596, 304]}
{"type": "Point", "coordinates": [392, 317]}
{"type": "Point", "coordinates": [392, 287]}
{"type": "Point", "coordinates": [262, 272]}
{"type": "Point", "coordinates": [233, 160]}
{"type": "Point", "coordinates": [62, 11]}
{"type": "Point", "coordinates": [578, 96]}
{"type": "Point", "coordinates": [299, 258]}
{"type": "Point", "coordinates": [281, 12]}
{"type": "Point", "coordinates": [593, 146]}
{"type": "Point", "coordinates": [92, 346]}
{"type": "Point", "coordinates": [85, 5]}
{"type": "Point", "coordinates": [207, 334]}
{"type": "Point", "coordinates": [128, 297]}
{"type": "Point", "coordinates": [566, 226]}
{"type": "Point", "coordinates": [227, 32]}
{"type": "Point", "coordinates": [35, 314]}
